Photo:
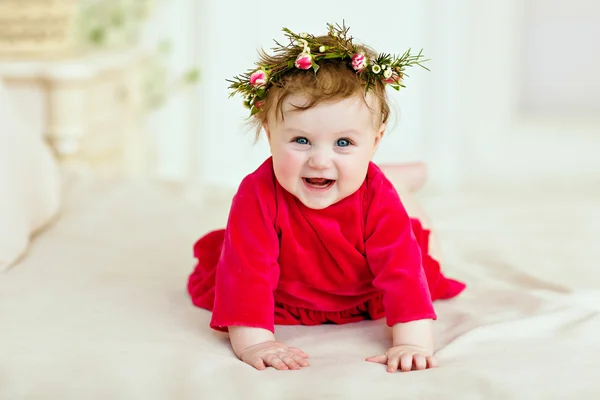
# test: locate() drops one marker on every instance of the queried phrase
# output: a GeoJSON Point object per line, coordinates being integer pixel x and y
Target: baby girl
{"type": "Point", "coordinates": [318, 234]}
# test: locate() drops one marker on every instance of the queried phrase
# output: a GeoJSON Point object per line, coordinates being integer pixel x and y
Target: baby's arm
{"type": "Point", "coordinates": [417, 333]}
{"type": "Point", "coordinates": [395, 260]}
{"type": "Point", "coordinates": [246, 276]}
{"type": "Point", "coordinates": [258, 348]}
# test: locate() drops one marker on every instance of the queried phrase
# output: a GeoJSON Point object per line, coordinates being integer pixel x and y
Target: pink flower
{"type": "Point", "coordinates": [394, 78]}
{"type": "Point", "coordinates": [303, 61]}
{"type": "Point", "coordinates": [258, 78]}
{"type": "Point", "coordinates": [359, 62]}
{"type": "Point", "coordinates": [259, 103]}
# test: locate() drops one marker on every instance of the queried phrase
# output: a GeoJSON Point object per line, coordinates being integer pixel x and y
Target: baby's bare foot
{"type": "Point", "coordinates": [411, 176]}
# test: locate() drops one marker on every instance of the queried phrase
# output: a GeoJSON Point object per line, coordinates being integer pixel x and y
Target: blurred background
{"type": "Point", "coordinates": [137, 87]}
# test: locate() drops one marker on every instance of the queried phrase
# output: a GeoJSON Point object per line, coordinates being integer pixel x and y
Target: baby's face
{"type": "Point", "coordinates": [321, 155]}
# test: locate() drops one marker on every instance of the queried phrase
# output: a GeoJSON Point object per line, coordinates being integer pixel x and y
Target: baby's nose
{"type": "Point", "coordinates": [319, 160]}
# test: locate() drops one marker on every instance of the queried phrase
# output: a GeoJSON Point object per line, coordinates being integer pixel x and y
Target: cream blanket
{"type": "Point", "coordinates": [98, 308]}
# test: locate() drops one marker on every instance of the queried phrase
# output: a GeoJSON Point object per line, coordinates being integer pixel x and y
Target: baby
{"type": "Point", "coordinates": [318, 234]}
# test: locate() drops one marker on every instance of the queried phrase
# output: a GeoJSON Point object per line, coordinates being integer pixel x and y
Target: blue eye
{"type": "Point", "coordinates": [343, 143]}
{"type": "Point", "coordinates": [301, 140]}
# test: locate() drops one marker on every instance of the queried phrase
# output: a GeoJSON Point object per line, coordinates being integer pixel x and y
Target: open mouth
{"type": "Point", "coordinates": [319, 183]}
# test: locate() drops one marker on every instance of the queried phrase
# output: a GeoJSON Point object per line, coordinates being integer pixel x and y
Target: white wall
{"type": "Point", "coordinates": [232, 42]}
{"type": "Point", "coordinates": [471, 118]}
{"type": "Point", "coordinates": [504, 142]}
{"type": "Point", "coordinates": [173, 129]}
{"type": "Point", "coordinates": [560, 57]}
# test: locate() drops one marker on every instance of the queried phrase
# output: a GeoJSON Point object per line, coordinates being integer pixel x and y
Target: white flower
{"type": "Point", "coordinates": [335, 34]}
{"type": "Point", "coordinates": [303, 43]}
{"type": "Point", "coordinates": [322, 49]}
{"type": "Point", "coordinates": [376, 69]}
{"type": "Point", "coordinates": [304, 34]}
{"type": "Point", "coordinates": [387, 73]}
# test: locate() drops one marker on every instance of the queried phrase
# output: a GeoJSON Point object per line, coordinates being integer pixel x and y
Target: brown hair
{"type": "Point", "coordinates": [335, 80]}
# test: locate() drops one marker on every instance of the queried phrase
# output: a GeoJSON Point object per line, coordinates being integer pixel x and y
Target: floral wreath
{"type": "Point", "coordinates": [305, 51]}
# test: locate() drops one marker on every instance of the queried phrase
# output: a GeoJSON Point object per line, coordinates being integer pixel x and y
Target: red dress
{"type": "Point", "coordinates": [279, 262]}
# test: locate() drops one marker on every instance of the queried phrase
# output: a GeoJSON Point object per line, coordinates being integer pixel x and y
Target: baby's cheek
{"type": "Point", "coordinates": [354, 170]}
{"type": "Point", "coordinates": [288, 165]}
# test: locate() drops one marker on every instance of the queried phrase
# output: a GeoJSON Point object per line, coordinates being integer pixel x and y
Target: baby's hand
{"type": "Point", "coordinates": [406, 358]}
{"type": "Point", "coordinates": [274, 354]}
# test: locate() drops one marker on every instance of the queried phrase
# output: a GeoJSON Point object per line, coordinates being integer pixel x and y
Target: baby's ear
{"type": "Point", "coordinates": [267, 131]}
{"type": "Point", "coordinates": [380, 134]}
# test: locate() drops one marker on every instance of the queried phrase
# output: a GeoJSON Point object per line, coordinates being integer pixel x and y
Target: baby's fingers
{"type": "Point", "coordinates": [302, 361]}
{"type": "Point", "coordinates": [432, 362]}
{"type": "Point", "coordinates": [419, 362]}
{"type": "Point", "coordinates": [258, 363]}
{"type": "Point", "coordinates": [298, 352]}
{"type": "Point", "coordinates": [380, 359]}
{"type": "Point", "coordinates": [402, 361]}
{"type": "Point", "coordinates": [415, 362]}
{"type": "Point", "coordinates": [275, 362]}
{"type": "Point", "coordinates": [406, 362]}
{"type": "Point", "coordinates": [294, 362]}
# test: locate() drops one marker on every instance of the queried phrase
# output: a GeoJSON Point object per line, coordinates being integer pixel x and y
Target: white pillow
{"type": "Point", "coordinates": [29, 182]}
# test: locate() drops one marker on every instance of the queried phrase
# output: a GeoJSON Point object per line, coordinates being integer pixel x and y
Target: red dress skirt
{"type": "Point", "coordinates": [207, 250]}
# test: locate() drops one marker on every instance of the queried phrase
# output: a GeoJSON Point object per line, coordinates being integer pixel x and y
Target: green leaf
{"type": "Point", "coordinates": [165, 47]}
{"type": "Point", "coordinates": [255, 110]}
{"type": "Point", "coordinates": [192, 76]}
{"type": "Point", "coordinates": [98, 36]}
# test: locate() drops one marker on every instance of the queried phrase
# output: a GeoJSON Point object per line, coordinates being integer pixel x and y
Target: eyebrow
{"type": "Point", "coordinates": [340, 133]}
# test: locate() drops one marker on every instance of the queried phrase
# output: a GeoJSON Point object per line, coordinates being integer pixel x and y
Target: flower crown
{"type": "Point", "coordinates": [305, 51]}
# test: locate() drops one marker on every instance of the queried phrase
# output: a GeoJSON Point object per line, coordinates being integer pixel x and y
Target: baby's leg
{"type": "Point", "coordinates": [415, 210]}
{"type": "Point", "coordinates": [412, 176]}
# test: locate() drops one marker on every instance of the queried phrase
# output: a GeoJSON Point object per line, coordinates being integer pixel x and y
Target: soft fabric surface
{"type": "Point", "coordinates": [98, 308]}
{"type": "Point", "coordinates": [29, 182]}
